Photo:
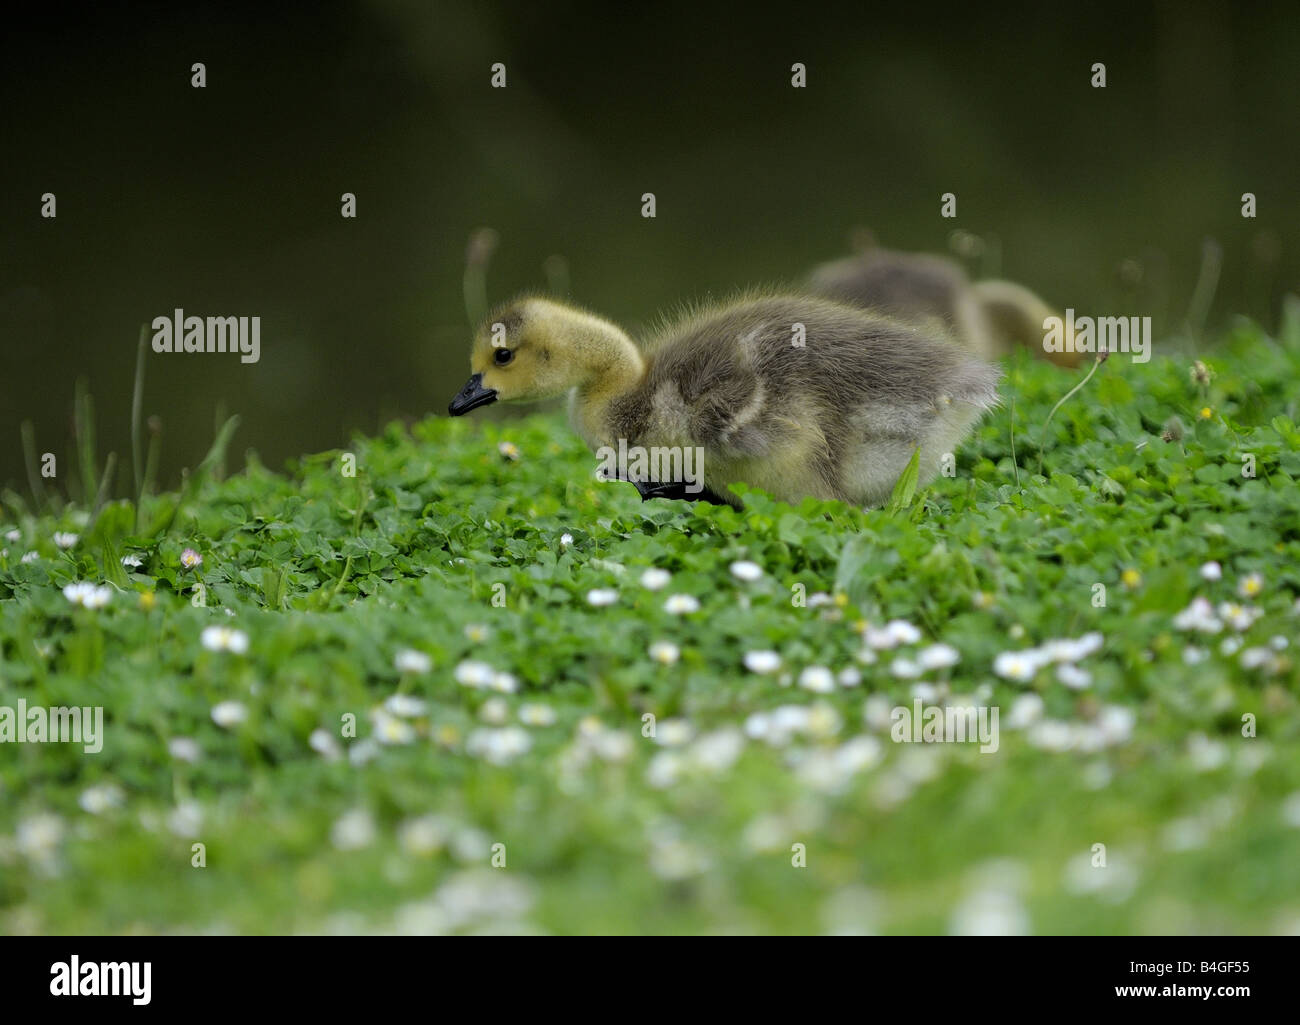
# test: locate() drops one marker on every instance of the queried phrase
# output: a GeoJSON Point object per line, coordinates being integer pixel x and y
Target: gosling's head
{"type": "Point", "coordinates": [536, 348]}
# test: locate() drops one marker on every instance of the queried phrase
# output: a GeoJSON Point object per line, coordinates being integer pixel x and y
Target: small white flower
{"type": "Point", "coordinates": [425, 835]}
{"type": "Point", "coordinates": [536, 715]}
{"type": "Point", "coordinates": [37, 837]}
{"type": "Point", "coordinates": [1278, 643]}
{"type": "Point", "coordinates": [1072, 676]}
{"type": "Point", "coordinates": [1230, 646]}
{"type": "Point", "coordinates": [1257, 658]}
{"type": "Point", "coordinates": [938, 656]}
{"type": "Point", "coordinates": [1116, 723]}
{"type": "Point", "coordinates": [76, 592]}
{"type": "Point", "coordinates": [1199, 615]}
{"type": "Point", "coordinates": [673, 733]}
{"type": "Point", "coordinates": [190, 558]}
{"type": "Point", "coordinates": [747, 571]}
{"type": "Point", "coordinates": [762, 662]}
{"type": "Point", "coordinates": [1067, 650]}
{"type": "Point", "coordinates": [184, 749]}
{"type": "Point", "coordinates": [223, 638]}
{"type": "Point", "coordinates": [389, 729]}
{"type": "Point", "coordinates": [498, 746]}
{"type": "Point", "coordinates": [13, 535]}
{"type": "Point", "coordinates": [717, 751]}
{"type": "Point", "coordinates": [817, 679]}
{"type": "Point", "coordinates": [495, 711]}
{"type": "Point", "coordinates": [681, 604]}
{"type": "Point", "coordinates": [1026, 710]}
{"type": "Point", "coordinates": [186, 819]}
{"type": "Point", "coordinates": [601, 597]}
{"type": "Point", "coordinates": [474, 674]}
{"type": "Point", "coordinates": [132, 561]}
{"type": "Point", "coordinates": [665, 652]}
{"type": "Point", "coordinates": [353, 830]}
{"type": "Point", "coordinates": [65, 540]}
{"type": "Point", "coordinates": [849, 677]}
{"type": "Point", "coordinates": [905, 668]}
{"type": "Point", "coordinates": [655, 579]}
{"type": "Point", "coordinates": [410, 661]}
{"type": "Point", "coordinates": [1250, 585]}
{"type": "Point", "coordinates": [1239, 617]}
{"type": "Point", "coordinates": [97, 597]}
{"type": "Point", "coordinates": [504, 682]}
{"type": "Point", "coordinates": [30, 557]}
{"type": "Point", "coordinates": [405, 706]}
{"type": "Point", "coordinates": [1020, 666]}
{"type": "Point", "coordinates": [903, 631]}
{"type": "Point", "coordinates": [477, 633]}
{"type": "Point", "coordinates": [508, 449]}
{"type": "Point", "coordinates": [323, 743]}
{"type": "Point", "coordinates": [100, 798]}
{"type": "Point", "coordinates": [1212, 571]}
{"type": "Point", "coordinates": [566, 540]}
{"type": "Point", "coordinates": [229, 714]}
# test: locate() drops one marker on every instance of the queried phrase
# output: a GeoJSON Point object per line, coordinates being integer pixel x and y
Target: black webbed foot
{"type": "Point", "coordinates": [678, 490]}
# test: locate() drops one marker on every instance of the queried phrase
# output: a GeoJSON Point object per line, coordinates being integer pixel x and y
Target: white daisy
{"type": "Point", "coordinates": [655, 579]}
{"type": "Point", "coordinates": [1072, 676]}
{"type": "Point", "coordinates": [132, 561]}
{"type": "Point", "coordinates": [494, 712]}
{"type": "Point", "coordinates": [681, 604]}
{"type": "Point", "coordinates": [1250, 585]}
{"type": "Point", "coordinates": [938, 656]}
{"type": "Point", "coordinates": [101, 798]}
{"type": "Point", "coordinates": [1239, 617]}
{"type": "Point", "coordinates": [405, 706]}
{"type": "Point", "coordinates": [665, 652]}
{"type": "Point", "coordinates": [229, 714]}
{"type": "Point", "coordinates": [223, 638]}
{"type": "Point", "coordinates": [410, 661]}
{"type": "Point", "coordinates": [474, 674]}
{"type": "Point", "coordinates": [747, 571]}
{"type": "Point", "coordinates": [65, 540]}
{"type": "Point", "coordinates": [905, 668]}
{"type": "Point", "coordinates": [1211, 571]}
{"type": "Point", "coordinates": [762, 662]}
{"type": "Point", "coordinates": [536, 715]}
{"type": "Point", "coordinates": [499, 746]}
{"type": "Point", "coordinates": [1199, 616]}
{"type": "Point", "coordinates": [184, 749]}
{"type": "Point", "coordinates": [601, 597]}
{"type": "Point", "coordinates": [353, 830]}
{"type": "Point", "coordinates": [817, 679]}
{"type": "Point", "coordinates": [1020, 666]}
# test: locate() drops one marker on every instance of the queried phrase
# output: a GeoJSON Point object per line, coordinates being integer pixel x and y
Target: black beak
{"type": "Point", "coordinates": [471, 396]}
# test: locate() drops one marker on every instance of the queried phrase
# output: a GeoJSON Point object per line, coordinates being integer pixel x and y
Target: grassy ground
{"type": "Point", "coordinates": [765, 801]}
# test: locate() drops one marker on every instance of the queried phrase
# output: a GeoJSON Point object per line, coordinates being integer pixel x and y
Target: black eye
{"type": "Point", "coordinates": [502, 356]}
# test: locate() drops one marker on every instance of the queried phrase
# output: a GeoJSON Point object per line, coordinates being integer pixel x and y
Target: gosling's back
{"type": "Point", "coordinates": [802, 395]}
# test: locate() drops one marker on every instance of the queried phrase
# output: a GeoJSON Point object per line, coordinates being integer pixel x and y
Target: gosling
{"type": "Point", "coordinates": [990, 318]}
{"type": "Point", "coordinates": [794, 394]}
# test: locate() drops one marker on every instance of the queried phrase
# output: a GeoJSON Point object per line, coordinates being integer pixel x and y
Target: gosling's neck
{"type": "Point", "coordinates": [612, 366]}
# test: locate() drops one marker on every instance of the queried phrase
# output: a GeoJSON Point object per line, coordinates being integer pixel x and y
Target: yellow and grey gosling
{"type": "Point", "coordinates": [837, 416]}
{"type": "Point", "coordinates": [988, 317]}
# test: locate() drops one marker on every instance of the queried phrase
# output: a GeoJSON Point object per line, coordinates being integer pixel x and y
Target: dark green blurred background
{"type": "Point", "coordinates": [225, 200]}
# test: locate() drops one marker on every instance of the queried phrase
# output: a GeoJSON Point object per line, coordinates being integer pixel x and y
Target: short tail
{"type": "Point", "coordinates": [1015, 315]}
